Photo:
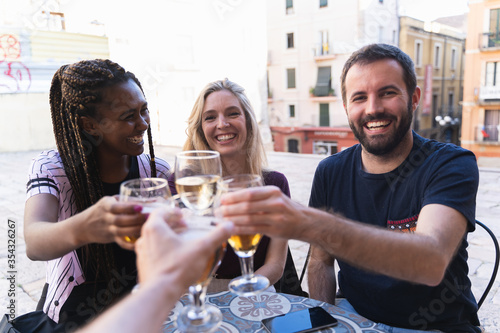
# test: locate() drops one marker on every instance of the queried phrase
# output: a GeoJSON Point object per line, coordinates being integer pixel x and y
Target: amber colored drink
{"type": "Point", "coordinates": [213, 263]}
{"type": "Point", "coordinates": [244, 245]}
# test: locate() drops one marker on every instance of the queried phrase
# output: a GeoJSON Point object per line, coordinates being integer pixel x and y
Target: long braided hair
{"type": "Point", "coordinates": [75, 91]}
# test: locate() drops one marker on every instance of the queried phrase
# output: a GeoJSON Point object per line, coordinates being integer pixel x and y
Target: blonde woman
{"type": "Point", "coordinates": [223, 120]}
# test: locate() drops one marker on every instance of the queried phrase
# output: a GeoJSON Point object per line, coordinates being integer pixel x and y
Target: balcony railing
{"type": "Point", "coordinates": [489, 40]}
{"type": "Point", "coordinates": [323, 51]}
{"type": "Point", "coordinates": [487, 133]}
{"type": "Point", "coordinates": [489, 93]}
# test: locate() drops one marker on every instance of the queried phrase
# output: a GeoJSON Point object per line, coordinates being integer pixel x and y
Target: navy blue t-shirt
{"type": "Point", "coordinates": [433, 173]}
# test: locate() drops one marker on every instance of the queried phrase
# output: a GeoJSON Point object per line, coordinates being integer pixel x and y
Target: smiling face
{"type": "Point", "coordinates": [122, 118]}
{"type": "Point", "coordinates": [224, 124]}
{"type": "Point", "coordinates": [378, 107]}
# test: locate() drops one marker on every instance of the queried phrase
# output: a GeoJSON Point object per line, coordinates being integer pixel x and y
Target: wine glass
{"type": "Point", "coordinates": [244, 245]}
{"type": "Point", "coordinates": [198, 316]}
{"type": "Point", "coordinates": [150, 193]}
{"type": "Point", "coordinates": [196, 175]}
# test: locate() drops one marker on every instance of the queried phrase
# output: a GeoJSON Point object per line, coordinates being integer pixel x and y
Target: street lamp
{"type": "Point", "coordinates": [446, 124]}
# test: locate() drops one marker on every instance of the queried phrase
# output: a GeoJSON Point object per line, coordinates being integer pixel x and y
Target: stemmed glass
{"type": "Point", "coordinates": [196, 175]}
{"type": "Point", "coordinates": [150, 193]}
{"type": "Point", "coordinates": [244, 245]}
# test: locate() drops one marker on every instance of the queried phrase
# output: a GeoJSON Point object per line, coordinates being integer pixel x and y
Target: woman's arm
{"type": "Point", "coordinates": [105, 222]}
{"type": "Point", "coordinates": [275, 260]}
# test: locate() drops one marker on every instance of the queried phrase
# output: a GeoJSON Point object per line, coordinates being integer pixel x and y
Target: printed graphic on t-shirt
{"type": "Point", "coordinates": [406, 225]}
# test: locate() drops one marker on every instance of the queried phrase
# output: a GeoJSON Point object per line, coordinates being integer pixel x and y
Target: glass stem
{"type": "Point", "coordinates": [197, 295]}
{"type": "Point", "coordinates": [246, 264]}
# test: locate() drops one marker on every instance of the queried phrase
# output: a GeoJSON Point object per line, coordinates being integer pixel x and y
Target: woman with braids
{"type": "Point", "coordinates": [223, 120]}
{"type": "Point", "coordinates": [72, 220]}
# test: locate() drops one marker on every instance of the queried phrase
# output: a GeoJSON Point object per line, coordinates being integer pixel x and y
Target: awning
{"type": "Point", "coordinates": [323, 84]}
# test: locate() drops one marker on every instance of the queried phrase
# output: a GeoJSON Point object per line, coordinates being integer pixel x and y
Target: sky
{"type": "Point", "coordinates": [428, 10]}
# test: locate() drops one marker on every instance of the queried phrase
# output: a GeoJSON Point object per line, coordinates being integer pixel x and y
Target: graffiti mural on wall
{"type": "Point", "coordinates": [14, 75]}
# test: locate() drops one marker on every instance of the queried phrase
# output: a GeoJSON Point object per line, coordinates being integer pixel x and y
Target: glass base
{"type": "Point", "coordinates": [247, 287]}
{"type": "Point", "coordinates": [207, 320]}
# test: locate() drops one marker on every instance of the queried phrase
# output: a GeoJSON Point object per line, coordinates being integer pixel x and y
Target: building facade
{"type": "Point", "coordinates": [34, 43]}
{"type": "Point", "coordinates": [438, 53]}
{"type": "Point", "coordinates": [308, 44]}
{"type": "Point", "coordinates": [481, 107]}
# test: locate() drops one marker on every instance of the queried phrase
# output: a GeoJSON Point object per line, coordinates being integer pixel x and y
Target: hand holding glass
{"type": "Point", "coordinates": [150, 193]}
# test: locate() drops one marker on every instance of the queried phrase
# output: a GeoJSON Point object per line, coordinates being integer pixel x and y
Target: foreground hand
{"type": "Point", "coordinates": [161, 251]}
{"type": "Point", "coordinates": [264, 210]}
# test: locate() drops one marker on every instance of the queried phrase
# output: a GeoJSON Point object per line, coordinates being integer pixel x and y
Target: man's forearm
{"type": "Point", "coordinates": [321, 276]}
{"type": "Point", "coordinates": [366, 246]}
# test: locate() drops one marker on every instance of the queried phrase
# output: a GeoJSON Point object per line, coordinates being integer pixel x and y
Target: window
{"type": "Point", "coordinates": [418, 53]}
{"type": "Point", "coordinates": [323, 83]}
{"type": "Point", "coordinates": [291, 111]}
{"type": "Point", "coordinates": [494, 33]}
{"type": "Point", "coordinates": [289, 7]}
{"type": "Point", "coordinates": [323, 3]}
{"type": "Point", "coordinates": [434, 108]}
{"type": "Point", "coordinates": [293, 146]}
{"type": "Point", "coordinates": [323, 47]}
{"type": "Point", "coordinates": [290, 78]}
{"type": "Point", "coordinates": [492, 74]}
{"type": "Point", "coordinates": [381, 1]}
{"type": "Point", "coordinates": [437, 55]}
{"type": "Point", "coordinates": [451, 98]}
{"type": "Point", "coordinates": [289, 40]}
{"type": "Point", "coordinates": [380, 34]}
{"type": "Point", "coordinates": [324, 115]}
{"type": "Point", "coordinates": [453, 58]}
{"type": "Point", "coordinates": [491, 124]}
{"type": "Point", "coordinates": [325, 147]}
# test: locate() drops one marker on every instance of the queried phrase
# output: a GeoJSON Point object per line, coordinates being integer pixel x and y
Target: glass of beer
{"type": "Point", "coordinates": [196, 175]}
{"type": "Point", "coordinates": [244, 245]}
{"type": "Point", "coordinates": [198, 316]}
{"type": "Point", "coordinates": [150, 193]}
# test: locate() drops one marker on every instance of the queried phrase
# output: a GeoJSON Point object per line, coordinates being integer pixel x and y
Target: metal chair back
{"type": "Point", "coordinates": [495, 267]}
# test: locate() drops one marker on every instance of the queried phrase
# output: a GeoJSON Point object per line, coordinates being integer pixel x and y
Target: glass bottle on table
{"type": "Point", "coordinates": [244, 245]}
{"type": "Point", "coordinates": [150, 193]}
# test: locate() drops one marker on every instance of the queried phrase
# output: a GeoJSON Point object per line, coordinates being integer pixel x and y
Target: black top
{"type": "Point", "coordinates": [92, 297]}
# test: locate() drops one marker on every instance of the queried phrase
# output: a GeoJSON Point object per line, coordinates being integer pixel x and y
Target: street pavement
{"type": "Point", "coordinates": [28, 276]}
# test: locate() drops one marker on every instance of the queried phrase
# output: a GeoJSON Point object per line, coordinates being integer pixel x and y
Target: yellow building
{"type": "Point", "coordinates": [481, 106]}
{"type": "Point", "coordinates": [438, 53]}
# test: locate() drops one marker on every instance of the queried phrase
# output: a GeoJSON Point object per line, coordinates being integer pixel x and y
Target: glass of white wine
{"type": "Point", "coordinates": [198, 316]}
{"type": "Point", "coordinates": [150, 193]}
{"type": "Point", "coordinates": [244, 245]}
{"type": "Point", "coordinates": [196, 175]}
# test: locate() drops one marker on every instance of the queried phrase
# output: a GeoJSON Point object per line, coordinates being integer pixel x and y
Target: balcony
{"type": "Point", "coordinates": [487, 134]}
{"type": "Point", "coordinates": [330, 97]}
{"type": "Point", "coordinates": [322, 52]}
{"type": "Point", "coordinates": [489, 94]}
{"type": "Point", "coordinates": [489, 40]}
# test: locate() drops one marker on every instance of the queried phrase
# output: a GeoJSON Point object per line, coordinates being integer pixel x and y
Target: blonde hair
{"type": "Point", "coordinates": [254, 148]}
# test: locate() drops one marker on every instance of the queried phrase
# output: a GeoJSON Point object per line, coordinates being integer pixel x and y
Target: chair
{"type": "Point", "coordinates": [495, 267]}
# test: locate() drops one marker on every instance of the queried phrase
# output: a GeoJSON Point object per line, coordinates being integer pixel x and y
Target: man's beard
{"type": "Point", "coordinates": [384, 146]}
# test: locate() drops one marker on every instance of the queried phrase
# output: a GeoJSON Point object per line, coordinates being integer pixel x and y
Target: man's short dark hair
{"type": "Point", "coordinates": [374, 52]}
